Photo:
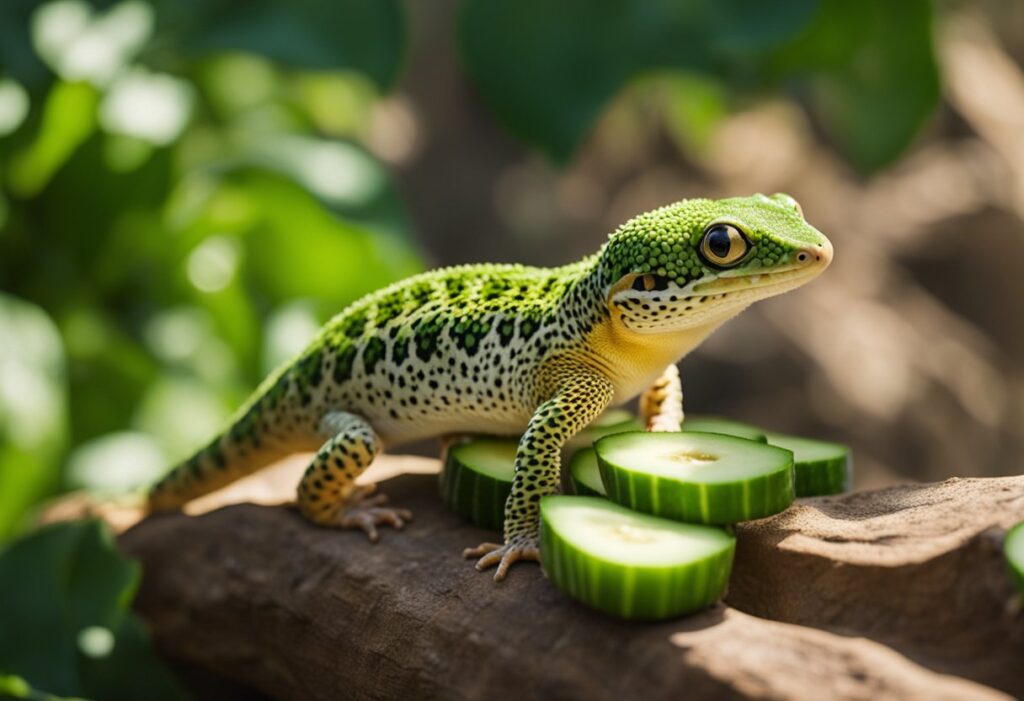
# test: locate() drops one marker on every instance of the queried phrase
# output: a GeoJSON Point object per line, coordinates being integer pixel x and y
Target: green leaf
{"type": "Point", "coordinates": [693, 105]}
{"type": "Point", "coordinates": [63, 588]}
{"type": "Point", "coordinates": [873, 75]}
{"type": "Point", "coordinates": [33, 408]}
{"type": "Point", "coordinates": [364, 35]}
{"type": "Point", "coordinates": [548, 69]}
{"type": "Point", "coordinates": [339, 260]}
{"type": "Point", "coordinates": [69, 117]}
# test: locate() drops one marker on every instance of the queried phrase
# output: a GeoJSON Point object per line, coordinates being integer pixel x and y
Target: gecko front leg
{"type": "Point", "coordinates": [579, 395]}
{"type": "Point", "coordinates": [661, 405]}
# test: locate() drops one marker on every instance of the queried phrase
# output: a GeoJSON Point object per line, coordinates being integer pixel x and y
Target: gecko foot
{"type": "Point", "coordinates": [490, 554]}
{"type": "Point", "coordinates": [366, 512]}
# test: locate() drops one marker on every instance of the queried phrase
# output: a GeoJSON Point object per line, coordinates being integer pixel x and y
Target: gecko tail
{"type": "Point", "coordinates": [255, 439]}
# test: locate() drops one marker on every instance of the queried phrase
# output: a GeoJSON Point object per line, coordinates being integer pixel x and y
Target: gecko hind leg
{"type": "Point", "coordinates": [328, 494]}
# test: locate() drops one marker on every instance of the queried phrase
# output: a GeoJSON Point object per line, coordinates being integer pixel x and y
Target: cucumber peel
{"type": "Point", "coordinates": [477, 479]}
{"type": "Point", "coordinates": [821, 467]}
{"type": "Point", "coordinates": [1013, 549]}
{"type": "Point", "coordinates": [696, 477]}
{"type": "Point", "coordinates": [584, 474]}
{"type": "Point", "coordinates": [715, 424]}
{"type": "Point", "coordinates": [632, 565]}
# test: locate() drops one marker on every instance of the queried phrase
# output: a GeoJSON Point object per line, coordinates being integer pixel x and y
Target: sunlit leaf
{"type": "Point", "coordinates": [13, 106]}
{"type": "Point", "coordinates": [238, 82]}
{"type": "Point", "coordinates": [80, 43]}
{"type": "Point", "coordinates": [153, 107]}
{"type": "Point", "coordinates": [69, 118]}
{"type": "Point", "coordinates": [338, 261]}
{"type": "Point", "coordinates": [340, 104]}
{"type": "Point", "coordinates": [693, 105]}
{"type": "Point", "coordinates": [343, 177]}
{"type": "Point", "coordinates": [116, 462]}
{"type": "Point", "coordinates": [33, 408]}
{"type": "Point", "coordinates": [289, 329]}
{"type": "Point", "coordinates": [180, 414]}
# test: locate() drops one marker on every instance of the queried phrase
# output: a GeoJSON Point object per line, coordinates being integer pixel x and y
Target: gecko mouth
{"type": "Point", "coordinates": [809, 262]}
{"type": "Point", "coordinates": [754, 281]}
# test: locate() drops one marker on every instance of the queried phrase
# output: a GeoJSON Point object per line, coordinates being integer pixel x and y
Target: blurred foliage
{"type": "Point", "coordinates": [362, 35]}
{"type": "Point", "coordinates": [548, 70]}
{"type": "Point", "coordinates": [33, 407]}
{"type": "Point", "coordinates": [176, 218]}
{"type": "Point", "coordinates": [68, 630]}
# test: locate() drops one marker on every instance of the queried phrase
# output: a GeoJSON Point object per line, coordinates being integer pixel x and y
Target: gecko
{"type": "Point", "coordinates": [512, 350]}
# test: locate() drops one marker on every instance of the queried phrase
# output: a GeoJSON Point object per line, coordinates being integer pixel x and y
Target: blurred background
{"type": "Point", "coordinates": [188, 189]}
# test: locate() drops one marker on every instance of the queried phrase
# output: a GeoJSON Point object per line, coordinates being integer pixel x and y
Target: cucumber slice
{"type": "Point", "coordinates": [822, 467]}
{"type": "Point", "coordinates": [609, 423]}
{"type": "Point", "coordinates": [1013, 548]}
{"type": "Point", "coordinates": [714, 424]}
{"type": "Point", "coordinates": [477, 479]}
{"type": "Point", "coordinates": [584, 475]}
{"type": "Point", "coordinates": [628, 564]}
{"type": "Point", "coordinates": [696, 477]}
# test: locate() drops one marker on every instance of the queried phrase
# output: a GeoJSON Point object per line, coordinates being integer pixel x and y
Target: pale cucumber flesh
{"type": "Point", "coordinates": [821, 467]}
{"type": "Point", "coordinates": [629, 564]}
{"type": "Point", "coordinates": [494, 457]}
{"type": "Point", "coordinates": [729, 427]}
{"type": "Point", "coordinates": [610, 422]}
{"type": "Point", "coordinates": [696, 477]}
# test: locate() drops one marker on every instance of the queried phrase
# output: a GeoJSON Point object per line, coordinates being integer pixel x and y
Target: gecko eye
{"type": "Point", "coordinates": [723, 246]}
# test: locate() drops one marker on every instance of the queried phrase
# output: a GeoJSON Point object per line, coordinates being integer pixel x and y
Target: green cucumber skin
{"type": "Point", "coordinates": [654, 593]}
{"type": "Point", "coordinates": [715, 504]}
{"type": "Point", "coordinates": [1016, 568]}
{"type": "Point", "coordinates": [582, 490]}
{"type": "Point", "coordinates": [460, 484]}
{"type": "Point", "coordinates": [823, 477]}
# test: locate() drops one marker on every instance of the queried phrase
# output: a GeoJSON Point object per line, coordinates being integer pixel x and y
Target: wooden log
{"type": "Point", "coordinates": [257, 594]}
{"type": "Point", "coordinates": [916, 567]}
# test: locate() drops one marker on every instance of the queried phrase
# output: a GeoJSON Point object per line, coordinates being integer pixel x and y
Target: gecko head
{"type": "Point", "coordinates": [699, 262]}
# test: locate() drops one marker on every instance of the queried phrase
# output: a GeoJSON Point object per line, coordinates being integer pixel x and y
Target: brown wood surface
{"type": "Point", "coordinates": [255, 593]}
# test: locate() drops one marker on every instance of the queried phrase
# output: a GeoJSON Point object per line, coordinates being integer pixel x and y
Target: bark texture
{"type": "Point", "coordinates": [917, 567]}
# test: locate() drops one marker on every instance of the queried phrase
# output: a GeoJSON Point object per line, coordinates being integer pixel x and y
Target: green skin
{"type": "Point", "coordinates": [508, 350]}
